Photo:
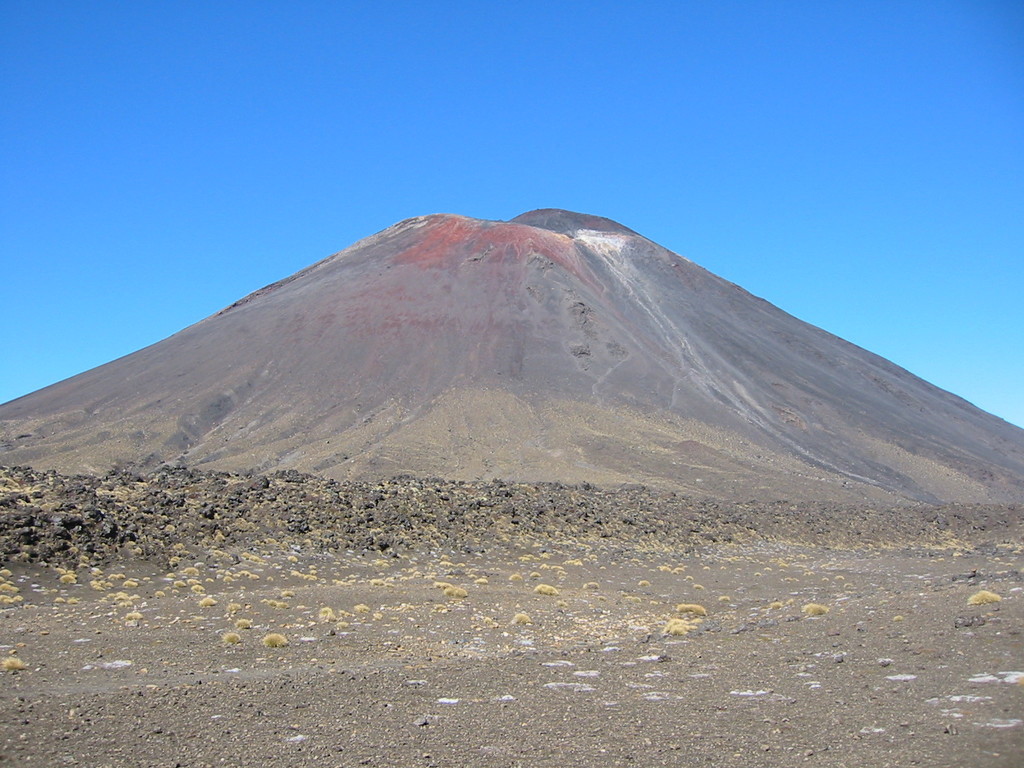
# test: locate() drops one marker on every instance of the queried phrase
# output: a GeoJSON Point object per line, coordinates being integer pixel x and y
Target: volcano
{"type": "Point", "coordinates": [556, 346]}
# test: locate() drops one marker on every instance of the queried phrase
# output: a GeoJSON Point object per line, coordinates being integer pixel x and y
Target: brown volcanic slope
{"type": "Point", "coordinates": [555, 346]}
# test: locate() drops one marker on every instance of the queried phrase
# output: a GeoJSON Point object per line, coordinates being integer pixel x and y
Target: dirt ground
{"type": "Point", "coordinates": [128, 665]}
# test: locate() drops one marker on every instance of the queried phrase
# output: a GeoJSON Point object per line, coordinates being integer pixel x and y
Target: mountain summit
{"type": "Point", "coordinates": [557, 346]}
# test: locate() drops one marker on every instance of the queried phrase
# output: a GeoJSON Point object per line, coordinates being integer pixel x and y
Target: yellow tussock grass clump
{"type": "Point", "coordinates": [13, 664]}
{"type": "Point", "coordinates": [69, 578]}
{"type": "Point", "coordinates": [207, 602]}
{"type": "Point", "coordinates": [453, 591]}
{"type": "Point", "coordinates": [694, 608]}
{"type": "Point", "coordinates": [815, 609]}
{"type": "Point", "coordinates": [984, 597]}
{"type": "Point", "coordinates": [776, 604]}
{"type": "Point", "coordinates": [243, 624]}
{"type": "Point", "coordinates": [327, 614]}
{"type": "Point", "coordinates": [545, 589]}
{"type": "Point", "coordinates": [591, 585]}
{"type": "Point", "coordinates": [644, 583]}
{"type": "Point", "coordinates": [481, 580]}
{"type": "Point", "coordinates": [361, 608]}
{"type": "Point", "coordinates": [133, 616]}
{"type": "Point", "coordinates": [275, 640]}
{"type": "Point", "coordinates": [231, 638]}
{"type": "Point", "coordinates": [521, 618]}
{"type": "Point", "coordinates": [516, 577]}
{"type": "Point", "coordinates": [677, 627]}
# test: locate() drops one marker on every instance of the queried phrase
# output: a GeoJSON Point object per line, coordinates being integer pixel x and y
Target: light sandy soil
{"type": "Point", "coordinates": [124, 668]}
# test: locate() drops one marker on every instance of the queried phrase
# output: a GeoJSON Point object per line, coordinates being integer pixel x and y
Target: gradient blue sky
{"type": "Point", "coordinates": [860, 165]}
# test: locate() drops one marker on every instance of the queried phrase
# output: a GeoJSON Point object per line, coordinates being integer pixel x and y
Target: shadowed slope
{"type": "Point", "coordinates": [557, 346]}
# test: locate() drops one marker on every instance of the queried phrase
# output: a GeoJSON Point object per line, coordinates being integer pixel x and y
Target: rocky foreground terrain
{"type": "Point", "coordinates": [184, 618]}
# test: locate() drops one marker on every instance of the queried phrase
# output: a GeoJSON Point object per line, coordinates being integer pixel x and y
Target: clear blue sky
{"type": "Point", "coordinates": [860, 165]}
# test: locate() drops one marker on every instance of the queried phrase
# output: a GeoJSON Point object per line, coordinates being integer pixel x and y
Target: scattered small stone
{"type": "Point", "coordinates": [576, 687]}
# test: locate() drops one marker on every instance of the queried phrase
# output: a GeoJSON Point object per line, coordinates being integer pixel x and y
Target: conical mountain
{"type": "Point", "coordinates": [555, 346]}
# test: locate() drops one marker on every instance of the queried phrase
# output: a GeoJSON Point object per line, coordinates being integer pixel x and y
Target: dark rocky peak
{"type": "Point", "coordinates": [569, 222]}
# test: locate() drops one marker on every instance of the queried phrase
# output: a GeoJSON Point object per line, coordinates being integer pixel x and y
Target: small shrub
{"type": "Point", "coordinates": [361, 608]}
{"type": "Point", "coordinates": [456, 592]}
{"type": "Point", "coordinates": [231, 638]}
{"type": "Point", "coordinates": [12, 664]}
{"type": "Point", "coordinates": [545, 589]}
{"type": "Point", "coordinates": [815, 609]}
{"type": "Point", "coordinates": [207, 602]}
{"type": "Point", "coordinates": [776, 604]}
{"type": "Point", "coordinates": [481, 580]}
{"type": "Point", "coordinates": [984, 597]}
{"type": "Point", "coordinates": [69, 578]}
{"type": "Point", "coordinates": [694, 608]}
{"type": "Point", "coordinates": [677, 627]}
{"type": "Point", "coordinates": [521, 618]}
{"type": "Point", "coordinates": [243, 624]}
{"type": "Point", "coordinates": [516, 577]}
{"type": "Point", "coordinates": [327, 614]}
{"type": "Point", "coordinates": [644, 583]}
{"type": "Point", "coordinates": [275, 640]}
